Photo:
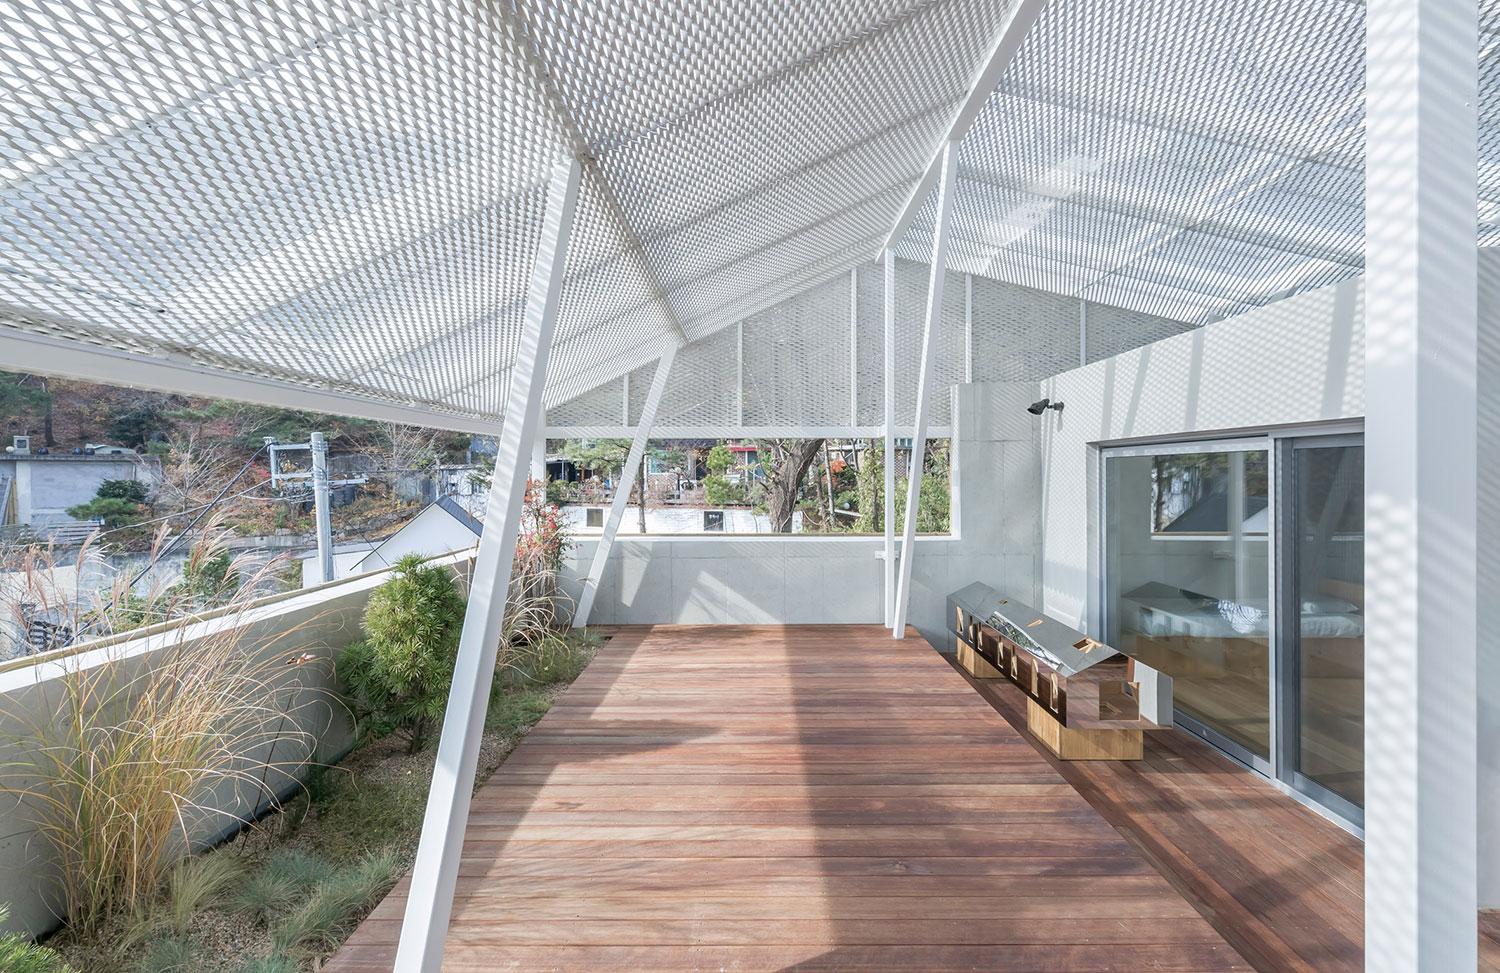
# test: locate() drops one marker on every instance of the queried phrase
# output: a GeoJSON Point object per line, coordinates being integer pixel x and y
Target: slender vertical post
{"type": "Point", "coordinates": [968, 328]}
{"type": "Point", "coordinates": [914, 466]}
{"type": "Point", "coordinates": [633, 463]}
{"type": "Point", "coordinates": [625, 400]}
{"type": "Point", "coordinates": [322, 515]}
{"type": "Point", "coordinates": [889, 390]}
{"type": "Point", "coordinates": [538, 471]}
{"type": "Point", "coordinates": [1083, 332]}
{"type": "Point", "coordinates": [739, 374]}
{"type": "Point", "coordinates": [1421, 87]}
{"type": "Point", "coordinates": [430, 901]}
{"type": "Point", "coordinates": [854, 347]}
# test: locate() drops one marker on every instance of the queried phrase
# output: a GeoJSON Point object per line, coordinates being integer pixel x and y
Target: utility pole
{"type": "Point", "coordinates": [321, 504]}
{"type": "Point", "coordinates": [318, 447]}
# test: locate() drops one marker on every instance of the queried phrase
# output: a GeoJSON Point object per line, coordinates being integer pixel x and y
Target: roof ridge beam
{"type": "Point", "coordinates": [1007, 42]}
{"type": "Point", "coordinates": [584, 153]}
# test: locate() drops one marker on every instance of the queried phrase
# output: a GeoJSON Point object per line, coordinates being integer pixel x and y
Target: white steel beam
{"type": "Point", "coordinates": [938, 274]}
{"type": "Point", "coordinates": [621, 500]}
{"type": "Point", "coordinates": [889, 396]}
{"type": "Point", "coordinates": [430, 901]}
{"type": "Point", "coordinates": [1022, 15]}
{"type": "Point", "coordinates": [85, 360]}
{"type": "Point", "coordinates": [1421, 82]}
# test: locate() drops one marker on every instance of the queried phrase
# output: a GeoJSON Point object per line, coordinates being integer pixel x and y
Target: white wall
{"type": "Point", "coordinates": [46, 486]}
{"type": "Point", "coordinates": [771, 579]}
{"type": "Point", "coordinates": [1297, 361]}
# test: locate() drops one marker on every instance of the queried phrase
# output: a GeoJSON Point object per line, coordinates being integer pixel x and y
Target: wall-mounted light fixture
{"type": "Point", "coordinates": [1037, 408]}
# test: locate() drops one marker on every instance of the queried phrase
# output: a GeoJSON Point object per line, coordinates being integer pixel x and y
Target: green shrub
{"type": "Point", "coordinates": [20, 955]}
{"type": "Point", "coordinates": [336, 905]}
{"type": "Point", "coordinates": [131, 491]}
{"type": "Point", "coordinates": [114, 513]}
{"type": "Point", "coordinates": [397, 678]}
{"type": "Point", "coordinates": [719, 460]}
{"type": "Point", "coordinates": [719, 492]}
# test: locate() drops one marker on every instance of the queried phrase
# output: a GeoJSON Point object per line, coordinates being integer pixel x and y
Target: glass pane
{"type": "Point", "coordinates": [1186, 542]}
{"type": "Point", "coordinates": [1330, 524]}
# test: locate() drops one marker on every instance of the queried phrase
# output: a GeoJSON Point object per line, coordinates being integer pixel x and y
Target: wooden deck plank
{"type": "Point", "coordinates": [792, 798]}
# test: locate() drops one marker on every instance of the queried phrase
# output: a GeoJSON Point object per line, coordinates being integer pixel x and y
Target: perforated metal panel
{"type": "Point", "coordinates": [1184, 159]}
{"type": "Point", "coordinates": [1021, 334]}
{"type": "Point", "coordinates": [797, 356]}
{"type": "Point", "coordinates": [347, 194]}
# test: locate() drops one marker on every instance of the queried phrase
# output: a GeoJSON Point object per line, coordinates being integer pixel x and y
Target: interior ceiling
{"type": "Point", "coordinates": [347, 194]}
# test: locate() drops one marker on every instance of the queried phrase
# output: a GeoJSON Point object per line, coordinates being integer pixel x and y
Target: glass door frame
{"type": "Point", "coordinates": [1265, 766]}
{"type": "Point", "coordinates": [1288, 632]}
{"type": "Point", "coordinates": [1278, 444]}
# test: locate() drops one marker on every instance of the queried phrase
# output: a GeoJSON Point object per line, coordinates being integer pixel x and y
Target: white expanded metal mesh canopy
{"type": "Point", "coordinates": [346, 195]}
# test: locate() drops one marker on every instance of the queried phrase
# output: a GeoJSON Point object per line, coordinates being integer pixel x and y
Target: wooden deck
{"type": "Point", "coordinates": [802, 797]}
{"type": "Point", "coordinates": [1284, 885]}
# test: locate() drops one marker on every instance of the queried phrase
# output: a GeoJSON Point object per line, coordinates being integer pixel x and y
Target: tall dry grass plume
{"type": "Point", "coordinates": [125, 759]}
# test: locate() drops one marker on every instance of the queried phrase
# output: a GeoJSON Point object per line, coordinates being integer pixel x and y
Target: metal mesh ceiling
{"type": "Point", "coordinates": [1184, 159]}
{"type": "Point", "coordinates": [346, 194]}
{"type": "Point", "coordinates": [814, 364]}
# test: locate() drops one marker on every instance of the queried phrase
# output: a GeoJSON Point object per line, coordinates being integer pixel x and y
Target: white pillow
{"type": "Point", "coordinates": [1327, 605]}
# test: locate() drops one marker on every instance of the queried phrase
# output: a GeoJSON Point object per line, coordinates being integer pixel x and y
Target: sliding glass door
{"type": "Point", "coordinates": [1237, 568]}
{"type": "Point", "coordinates": [1186, 531]}
{"type": "Point", "coordinates": [1323, 643]}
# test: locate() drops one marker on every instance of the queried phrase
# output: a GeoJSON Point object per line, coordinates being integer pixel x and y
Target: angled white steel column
{"type": "Point", "coordinates": [938, 272]}
{"type": "Point", "coordinates": [430, 901]}
{"type": "Point", "coordinates": [1420, 485]}
{"type": "Point", "coordinates": [621, 499]}
{"type": "Point", "coordinates": [889, 395]}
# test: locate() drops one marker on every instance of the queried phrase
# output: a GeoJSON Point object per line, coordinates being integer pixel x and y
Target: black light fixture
{"type": "Point", "coordinates": [1037, 408]}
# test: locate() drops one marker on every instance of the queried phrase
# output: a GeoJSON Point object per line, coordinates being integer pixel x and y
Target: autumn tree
{"type": "Point", "coordinates": [785, 463]}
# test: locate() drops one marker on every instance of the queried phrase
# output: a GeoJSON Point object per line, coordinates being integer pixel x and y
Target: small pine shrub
{"type": "Point", "coordinates": [336, 905]}
{"type": "Point", "coordinates": [398, 677]}
{"type": "Point", "coordinates": [20, 955]}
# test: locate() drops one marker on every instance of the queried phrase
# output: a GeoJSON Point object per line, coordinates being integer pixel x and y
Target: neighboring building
{"type": "Point", "coordinates": [37, 488]}
{"type": "Point", "coordinates": [441, 527]}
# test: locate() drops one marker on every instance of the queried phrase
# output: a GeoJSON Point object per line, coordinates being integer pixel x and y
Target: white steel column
{"type": "Point", "coordinates": [621, 499]}
{"type": "Point", "coordinates": [739, 374]}
{"type": "Point", "coordinates": [914, 467]}
{"type": "Point", "coordinates": [854, 347]}
{"type": "Point", "coordinates": [538, 469]}
{"type": "Point", "coordinates": [1420, 485]}
{"type": "Point", "coordinates": [430, 901]}
{"type": "Point", "coordinates": [1083, 332]}
{"type": "Point", "coordinates": [889, 395]}
{"type": "Point", "coordinates": [968, 327]}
